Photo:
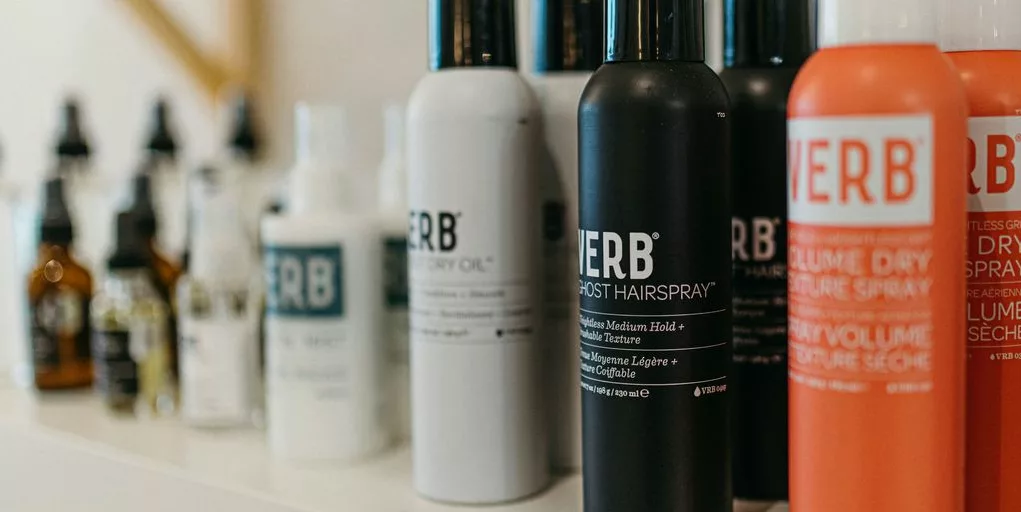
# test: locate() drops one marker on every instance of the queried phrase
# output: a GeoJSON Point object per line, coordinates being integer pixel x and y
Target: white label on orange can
{"type": "Point", "coordinates": [860, 253]}
{"type": "Point", "coordinates": [994, 237]}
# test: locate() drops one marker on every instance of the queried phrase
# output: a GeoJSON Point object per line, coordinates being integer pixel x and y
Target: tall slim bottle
{"type": "Point", "coordinates": [766, 44]}
{"type": "Point", "coordinates": [984, 41]}
{"type": "Point", "coordinates": [169, 184]}
{"type": "Point", "coordinates": [473, 146]}
{"type": "Point", "coordinates": [876, 268]}
{"type": "Point", "coordinates": [568, 48]}
{"type": "Point", "coordinates": [655, 267]}
{"type": "Point", "coordinates": [393, 206]}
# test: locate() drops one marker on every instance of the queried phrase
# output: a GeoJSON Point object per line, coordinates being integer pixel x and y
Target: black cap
{"type": "Point", "coordinates": [768, 33]}
{"type": "Point", "coordinates": [244, 140]}
{"type": "Point", "coordinates": [472, 33]}
{"type": "Point", "coordinates": [142, 208]}
{"type": "Point", "coordinates": [72, 142]}
{"type": "Point", "coordinates": [56, 227]}
{"type": "Point", "coordinates": [130, 251]}
{"type": "Point", "coordinates": [161, 139]}
{"type": "Point", "coordinates": [568, 35]}
{"type": "Point", "coordinates": [655, 30]}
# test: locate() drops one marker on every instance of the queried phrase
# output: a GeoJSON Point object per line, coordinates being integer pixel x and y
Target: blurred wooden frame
{"type": "Point", "coordinates": [239, 67]}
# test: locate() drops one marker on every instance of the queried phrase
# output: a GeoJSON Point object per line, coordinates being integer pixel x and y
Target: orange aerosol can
{"type": "Point", "coordinates": [877, 233]}
{"type": "Point", "coordinates": [983, 38]}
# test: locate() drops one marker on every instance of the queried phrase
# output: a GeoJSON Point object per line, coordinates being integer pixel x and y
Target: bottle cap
{"type": "Point", "coordinates": [568, 35]}
{"type": "Point", "coordinates": [768, 33]}
{"type": "Point", "coordinates": [393, 176]}
{"type": "Point", "coordinates": [142, 208]}
{"type": "Point", "coordinates": [655, 30]}
{"type": "Point", "coordinates": [218, 249]}
{"type": "Point", "coordinates": [161, 138]}
{"type": "Point", "coordinates": [972, 25]}
{"type": "Point", "coordinates": [243, 139]}
{"type": "Point", "coordinates": [129, 251]}
{"type": "Point", "coordinates": [865, 22]}
{"type": "Point", "coordinates": [56, 227]}
{"type": "Point", "coordinates": [72, 142]}
{"type": "Point", "coordinates": [319, 181]}
{"type": "Point", "coordinates": [472, 33]}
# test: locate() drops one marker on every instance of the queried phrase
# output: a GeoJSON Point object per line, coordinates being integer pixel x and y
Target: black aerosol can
{"type": "Point", "coordinates": [655, 267]}
{"type": "Point", "coordinates": [766, 44]}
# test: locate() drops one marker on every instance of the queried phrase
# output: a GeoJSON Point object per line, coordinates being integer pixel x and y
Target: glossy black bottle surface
{"type": "Point", "coordinates": [759, 249]}
{"type": "Point", "coordinates": [655, 288]}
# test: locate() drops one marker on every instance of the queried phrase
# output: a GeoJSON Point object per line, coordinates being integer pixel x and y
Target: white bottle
{"type": "Point", "coordinates": [478, 421]}
{"type": "Point", "coordinates": [324, 343]}
{"type": "Point", "coordinates": [393, 205]}
{"type": "Point", "coordinates": [217, 311]}
{"type": "Point", "coordinates": [561, 72]}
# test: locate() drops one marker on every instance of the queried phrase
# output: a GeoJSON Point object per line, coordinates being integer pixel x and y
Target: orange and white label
{"type": "Point", "coordinates": [861, 253]}
{"type": "Point", "coordinates": [994, 237]}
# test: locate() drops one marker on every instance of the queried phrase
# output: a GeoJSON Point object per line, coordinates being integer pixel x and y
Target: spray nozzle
{"type": "Point", "coordinates": [161, 140]}
{"type": "Point", "coordinates": [72, 143]}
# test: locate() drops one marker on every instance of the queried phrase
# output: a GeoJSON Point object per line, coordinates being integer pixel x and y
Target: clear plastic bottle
{"type": "Point", "coordinates": [130, 338]}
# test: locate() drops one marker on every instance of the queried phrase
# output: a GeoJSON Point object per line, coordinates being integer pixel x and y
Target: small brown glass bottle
{"type": "Point", "coordinates": [165, 271]}
{"type": "Point", "coordinates": [59, 290]}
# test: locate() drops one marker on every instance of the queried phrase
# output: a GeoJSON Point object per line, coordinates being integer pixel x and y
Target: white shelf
{"type": "Point", "coordinates": [65, 450]}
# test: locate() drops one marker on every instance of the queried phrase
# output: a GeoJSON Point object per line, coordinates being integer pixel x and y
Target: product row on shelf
{"type": "Point", "coordinates": [782, 282]}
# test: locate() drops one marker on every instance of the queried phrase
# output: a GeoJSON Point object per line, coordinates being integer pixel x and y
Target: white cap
{"type": "Point", "coordinates": [393, 174]}
{"type": "Point", "coordinates": [969, 25]}
{"type": "Point", "coordinates": [861, 22]}
{"type": "Point", "coordinates": [320, 179]}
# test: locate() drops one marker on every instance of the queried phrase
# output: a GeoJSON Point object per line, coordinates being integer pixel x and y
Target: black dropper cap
{"type": "Point", "coordinates": [72, 143]}
{"type": "Point", "coordinates": [142, 208]}
{"type": "Point", "coordinates": [161, 139]}
{"type": "Point", "coordinates": [56, 227]}
{"type": "Point", "coordinates": [768, 33]}
{"type": "Point", "coordinates": [655, 30]}
{"type": "Point", "coordinates": [129, 252]}
{"type": "Point", "coordinates": [472, 33]}
{"type": "Point", "coordinates": [568, 35]}
{"type": "Point", "coordinates": [244, 139]}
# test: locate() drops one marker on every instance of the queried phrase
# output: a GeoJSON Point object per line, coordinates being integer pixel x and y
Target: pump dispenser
{"type": "Point", "coordinates": [983, 40]}
{"type": "Point", "coordinates": [877, 120]}
{"type": "Point", "coordinates": [568, 48]}
{"type": "Point", "coordinates": [474, 143]}
{"type": "Point", "coordinates": [393, 205]}
{"type": "Point", "coordinates": [766, 43]}
{"type": "Point", "coordinates": [655, 267]}
{"type": "Point", "coordinates": [325, 351]}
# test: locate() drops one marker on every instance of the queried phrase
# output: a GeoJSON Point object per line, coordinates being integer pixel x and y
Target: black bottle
{"type": "Point", "coordinates": [655, 267]}
{"type": "Point", "coordinates": [766, 44]}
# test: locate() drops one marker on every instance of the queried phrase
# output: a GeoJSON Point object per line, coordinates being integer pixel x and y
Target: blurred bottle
{"type": "Point", "coordinates": [92, 196]}
{"type": "Point", "coordinates": [169, 184]}
{"type": "Point", "coordinates": [218, 305]}
{"type": "Point", "coordinates": [393, 205]}
{"type": "Point", "coordinates": [324, 272]}
{"type": "Point", "coordinates": [59, 290]}
{"type": "Point", "coordinates": [130, 338]}
{"type": "Point", "coordinates": [163, 270]}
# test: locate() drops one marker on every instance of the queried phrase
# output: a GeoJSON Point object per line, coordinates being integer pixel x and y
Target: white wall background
{"type": "Point", "coordinates": [360, 53]}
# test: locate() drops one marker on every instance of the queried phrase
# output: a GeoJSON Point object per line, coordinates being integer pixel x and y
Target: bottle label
{"type": "Point", "coordinates": [217, 361]}
{"type": "Point", "coordinates": [861, 251]}
{"type": "Point", "coordinates": [629, 354]}
{"type": "Point", "coordinates": [472, 272]}
{"type": "Point", "coordinates": [304, 282]}
{"type": "Point", "coordinates": [58, 317]}
{"type": "Point", "coordinates": [116, 369]}
{"type": "Point", "coordinates": [758, 247]}
{"type": "Point", "coordinates": [395, 278]}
